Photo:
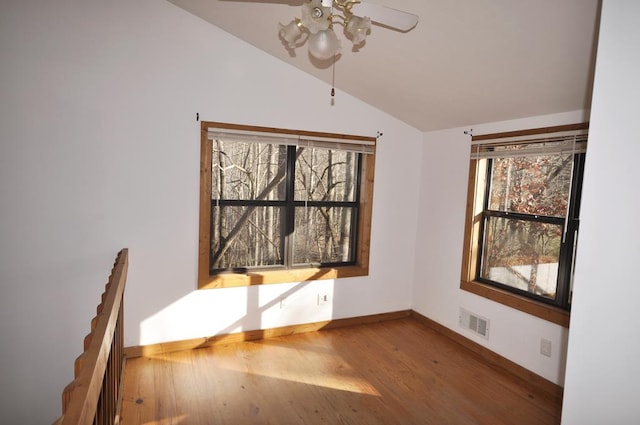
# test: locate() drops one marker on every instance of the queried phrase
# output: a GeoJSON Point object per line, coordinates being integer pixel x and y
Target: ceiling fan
{"type": "Point", "coordinates": [318, 17]}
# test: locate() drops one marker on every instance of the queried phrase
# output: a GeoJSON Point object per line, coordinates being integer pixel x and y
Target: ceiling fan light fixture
{"type": "Point", "coordinates": [324, 44]}
{"type": "Point", "coordinates": [319, 17]}
{"type": "Point", "coordinates": [290, 32]}
{"type": "Point", "coordinates": [358, 28]}
{"type": "Point", "coordinates": [315, 17]}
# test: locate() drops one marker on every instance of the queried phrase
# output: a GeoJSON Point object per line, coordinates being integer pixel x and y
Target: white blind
{"type": "Point", "coordinates": [336, 143]}
{"type": "Point", "coordinates": [572, 141]}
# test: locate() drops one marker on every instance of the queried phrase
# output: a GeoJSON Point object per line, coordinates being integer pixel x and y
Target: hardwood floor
{"type": "Point", "coordinates": [395, 372]}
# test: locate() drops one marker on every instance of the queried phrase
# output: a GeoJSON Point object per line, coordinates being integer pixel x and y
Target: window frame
{"type": "Point", "coordinates": [474, 218]}
{"type": "Point", "coordinates": [360, 267]}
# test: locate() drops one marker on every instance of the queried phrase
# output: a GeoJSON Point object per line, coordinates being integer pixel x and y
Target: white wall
{"type": "Point", "coordinates": [603, 367]}
{"type": "Point", "coordinates": [437, 294]}
{"type": "Point", "coordinates": [100, 150]}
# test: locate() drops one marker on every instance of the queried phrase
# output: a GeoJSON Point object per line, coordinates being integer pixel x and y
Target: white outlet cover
{"type": "Point", "coordinates": [545, 347]}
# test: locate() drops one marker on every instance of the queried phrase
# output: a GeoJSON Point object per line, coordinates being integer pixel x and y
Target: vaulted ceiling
{"type": "Point", "coordinates": [466, 62]}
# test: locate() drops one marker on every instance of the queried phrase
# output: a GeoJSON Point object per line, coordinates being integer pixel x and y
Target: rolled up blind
{"type": "Point", "coordinates": [505, 146]}
{"type": "Point", "coordinates": [363, 145]}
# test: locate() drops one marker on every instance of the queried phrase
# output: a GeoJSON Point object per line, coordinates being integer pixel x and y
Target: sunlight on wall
{"type": "Point", "coordinates": [212, 312]}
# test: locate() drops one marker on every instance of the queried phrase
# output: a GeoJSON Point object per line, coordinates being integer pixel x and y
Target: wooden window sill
{"type": "Point", "coordinates": [535, 308]}
{"type": "Point", "coordinates": [230, 280]}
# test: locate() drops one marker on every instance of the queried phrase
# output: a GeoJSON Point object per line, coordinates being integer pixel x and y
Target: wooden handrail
{"type": "Point", "coordinates": [93, 397]}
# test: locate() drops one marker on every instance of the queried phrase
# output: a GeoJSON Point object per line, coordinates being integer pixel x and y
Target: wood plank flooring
{"type": "Point", "coordinates": [395, 372]}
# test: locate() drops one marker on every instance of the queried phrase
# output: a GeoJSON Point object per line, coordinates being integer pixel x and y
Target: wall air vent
{"type": "Point", "coordinates": [476, 324]}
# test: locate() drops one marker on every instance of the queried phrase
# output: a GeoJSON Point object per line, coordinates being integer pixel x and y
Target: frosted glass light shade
{"type": "Point", "coordinates": [290, 32]}
{"type": "Point", "coordinates": [315, 17]}
{"type": "Point", "coordinates": [324, 44]}
{"type": "Point", "coordinates": [358, 28]}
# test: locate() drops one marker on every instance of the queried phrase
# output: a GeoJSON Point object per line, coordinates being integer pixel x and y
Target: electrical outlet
{"type": "Point", "coordinates": [545, 347]}
{"type": "Point", "coordinates": [323, 298]}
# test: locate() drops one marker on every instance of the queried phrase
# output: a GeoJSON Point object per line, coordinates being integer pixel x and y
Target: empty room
{"type": "Point", "coordinates": [320, 212]}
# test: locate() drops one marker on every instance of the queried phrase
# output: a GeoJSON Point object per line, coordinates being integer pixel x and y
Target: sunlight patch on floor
{"type": "Point", "coordinates": [334, 381]}
{"type": "Point", "coordinates": [313, 371]}
{"type": "Point", "coordinates": [174, 420]}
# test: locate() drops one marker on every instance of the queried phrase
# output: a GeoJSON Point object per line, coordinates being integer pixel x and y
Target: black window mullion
{"type": "Point", "coordinates": [246, 203]}
{"type": "Point", "coordinates": [329, 204]}
{"type": "Point", "coordinates": [525, 217]}
{"type": "Point", "coordinates": [565, 266]}
{"type": "Point", "coordinates": [567, 252]}
{"type": "Point", "coordinates": [290, 212]}
{"type": "Point", "coordinates": [355, 217]}
{"type": "Point", "coordinates": [483, 221]}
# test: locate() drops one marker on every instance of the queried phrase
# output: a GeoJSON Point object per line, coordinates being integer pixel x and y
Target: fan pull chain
{"type": "Point", "coordinates": [333, 81]}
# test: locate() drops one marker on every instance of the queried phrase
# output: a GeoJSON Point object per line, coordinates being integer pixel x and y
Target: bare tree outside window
{"type": "Point", "coordinates": [323, 234]}
{"type": "Point", "coordinates": [527, 205]}
{"type": "Point", "coordinates": [262, 216]}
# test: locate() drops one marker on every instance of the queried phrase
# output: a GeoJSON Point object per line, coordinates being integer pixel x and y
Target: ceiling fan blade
{"type": "Point", "coordinates": [386, 16]}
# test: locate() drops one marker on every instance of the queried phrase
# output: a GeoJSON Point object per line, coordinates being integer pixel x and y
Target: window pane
{"type": "Point", "coordinates": [531, 185]}
{"type": "Point", "coordinates": [522, 254]}
{"type": "Point", "coordinates": [248, 171]}
{"type": "Point", "coordinates": [245, 237]}
{"type": "Point", "coordinates": [325, 175]}
{"type": "Point", "coordinates": [322, 235]}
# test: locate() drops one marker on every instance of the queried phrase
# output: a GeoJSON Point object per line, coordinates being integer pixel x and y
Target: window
{"type": "Point", "coordinates": [283, 206]}
{"type": "Point", "coordinates": [522, 218]}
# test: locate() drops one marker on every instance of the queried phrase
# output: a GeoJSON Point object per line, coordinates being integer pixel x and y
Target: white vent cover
{"type": "Point", "coordinates": [475, 323]}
